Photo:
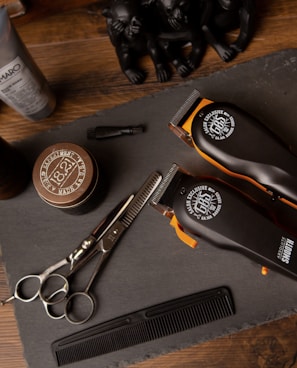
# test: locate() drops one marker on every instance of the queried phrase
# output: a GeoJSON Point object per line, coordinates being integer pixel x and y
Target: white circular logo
{"type": "Point", "coordinates": [218, 124]}
{"type": "Point", "coordinates": [62, 172]}
{"type": "Point", "coordinates": [204, 202]}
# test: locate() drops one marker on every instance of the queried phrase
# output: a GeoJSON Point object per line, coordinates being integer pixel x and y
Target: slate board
{"type": "Point", "coordinates": [150, 265]}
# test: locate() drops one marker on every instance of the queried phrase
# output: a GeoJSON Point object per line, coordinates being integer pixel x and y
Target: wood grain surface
{"type": "Point", "coordinates": [68, 40]}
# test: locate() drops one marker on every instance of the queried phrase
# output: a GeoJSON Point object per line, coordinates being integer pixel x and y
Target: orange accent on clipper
{"type": "Point", "coordinates": [188, 124]}
{"type": "Point", "coordinates": [181, 234]}
{"type": "Point", "coordinates": [289, 203]}
{"type": "Point", "coordinates": [264, 271]}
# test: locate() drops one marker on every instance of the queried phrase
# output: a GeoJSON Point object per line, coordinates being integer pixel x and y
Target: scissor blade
{"type": "Point", "coordinates": [114, 233]}
{"type": "Point", "coordinates": [141, 198]}
{"type": "Point", "coordinates": [90, 245]}
{"type": "Point", "coordinates": [111, 218]}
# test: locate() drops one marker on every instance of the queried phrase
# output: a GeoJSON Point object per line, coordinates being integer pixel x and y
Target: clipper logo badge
{"type": "Point", "coordinates": [204, 202]}
{"type": "Point", "coordinates": [218, 124]}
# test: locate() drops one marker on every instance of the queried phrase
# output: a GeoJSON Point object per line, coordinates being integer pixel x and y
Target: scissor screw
{"type": "Point", "coordinates": [85, 244]}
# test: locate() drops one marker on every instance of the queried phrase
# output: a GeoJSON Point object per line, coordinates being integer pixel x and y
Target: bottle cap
{"type": "Point", "coordinates": [65, 175]}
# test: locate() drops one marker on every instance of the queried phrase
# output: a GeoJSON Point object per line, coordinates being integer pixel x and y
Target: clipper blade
{"type": "Point", "coordinates": [186, 109]}
{"type": "Point", "coordinates": [158, 200]}
{"type": "Point", "coordinates": [175, 124]}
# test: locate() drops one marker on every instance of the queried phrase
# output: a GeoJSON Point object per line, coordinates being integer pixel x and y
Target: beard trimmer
{"type": "Point", "coordinates": [238, 144]}
{"type": "Point", "coordinates": [213, 210]}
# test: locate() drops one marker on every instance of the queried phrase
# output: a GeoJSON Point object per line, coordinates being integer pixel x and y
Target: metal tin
{"type": "Point", "coordinates": [66, 175]}
{"type": "Point", "coordinates": [14, 171]}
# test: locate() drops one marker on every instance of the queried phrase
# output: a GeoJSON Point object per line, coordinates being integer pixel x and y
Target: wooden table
{"type": "Point", "coordinates": [68, 40]}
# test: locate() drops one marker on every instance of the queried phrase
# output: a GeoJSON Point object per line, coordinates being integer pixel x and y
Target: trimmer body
{"type": "Point", "coordinates": [213, 210]}
{"type": "Point", "coordinates": [239, 145]}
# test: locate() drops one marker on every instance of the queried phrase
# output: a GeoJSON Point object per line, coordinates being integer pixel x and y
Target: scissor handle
{"type": "Point", "coordinates": [54, 289]}
{"type": "Point", "coordinates": [79, 308]}
{"type": "Point", "coordinates": [22, 285]}
{"type": "Point", "coordinates": [51, 309]}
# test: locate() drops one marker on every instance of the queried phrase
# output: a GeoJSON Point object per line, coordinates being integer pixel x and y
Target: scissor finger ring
{"type": "Point", "coordinates": [54, 311]}
{"type": "Point", "coordinates": [54, 289]}
{"type": "Point", "coordinates": [79, 308]}
{"type": "Point", "coordinates": [27, 288]}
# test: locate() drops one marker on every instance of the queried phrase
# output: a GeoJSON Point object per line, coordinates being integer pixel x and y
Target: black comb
{"type": "Point", "coordinates": [145, 325]}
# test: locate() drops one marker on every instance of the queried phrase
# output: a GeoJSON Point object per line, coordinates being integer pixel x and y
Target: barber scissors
{"type": "Point", "coordinates": [76, 259]}
{"type": "Point", "coordinates": [101, 241]}
{"type": "Point", "coordinates": [107, 239]}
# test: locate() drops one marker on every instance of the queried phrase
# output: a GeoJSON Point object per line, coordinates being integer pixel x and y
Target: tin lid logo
{"type": "Point", "coordinates": [218, 124]}
{"type": "Point", "coordinates": [62, 172]}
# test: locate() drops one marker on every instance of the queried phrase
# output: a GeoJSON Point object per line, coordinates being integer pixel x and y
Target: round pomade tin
{"type": "Point", "coordinates": [65, 175]}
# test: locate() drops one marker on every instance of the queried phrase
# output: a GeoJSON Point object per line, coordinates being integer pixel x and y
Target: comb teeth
{"type": "Point", "coordinates": [164, 184]}
{"type": "Point", "coordinates": [146, 325]}
{"type": "Point", "coordinates": [185, 109]}
{"type": "Point", "coordinates": [141, 197]}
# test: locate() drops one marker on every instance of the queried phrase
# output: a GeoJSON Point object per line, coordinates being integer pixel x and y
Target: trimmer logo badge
{"type": "Point", "coordinates": [204, 202]}
{"type": "Point", "coordinates": [218, 124]}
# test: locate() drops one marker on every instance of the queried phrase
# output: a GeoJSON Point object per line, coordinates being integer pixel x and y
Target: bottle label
{"type": "Point", "coordinates": [20, 89]}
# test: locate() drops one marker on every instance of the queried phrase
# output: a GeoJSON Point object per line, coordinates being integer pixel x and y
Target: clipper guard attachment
{"type": "Point", "coordinates": [239, 145]}
{"type": "Point", "coordinates": [210, 209]}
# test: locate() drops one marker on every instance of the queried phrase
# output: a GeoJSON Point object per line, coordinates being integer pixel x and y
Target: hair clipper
{"type": "Point", "coordinates": [213, 210]}
{"type": "Point", "coordinates": [238, 144]}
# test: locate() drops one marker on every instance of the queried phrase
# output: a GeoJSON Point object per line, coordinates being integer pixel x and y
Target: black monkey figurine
{"type": "Point", "coordinates": [176, 23]}
{"type": "Point", "coordinates": [131, 40]}
{"type": "Point", "coordinates": [229, 15]}
{"type": "Point", "coordinates": [161, 28]}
